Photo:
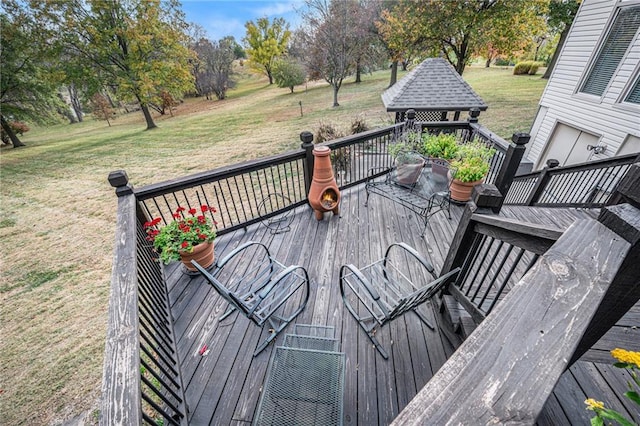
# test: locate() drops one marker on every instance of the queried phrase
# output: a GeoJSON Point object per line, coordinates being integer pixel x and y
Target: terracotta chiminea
{"type": "Point", "coordinates": [324, 194]}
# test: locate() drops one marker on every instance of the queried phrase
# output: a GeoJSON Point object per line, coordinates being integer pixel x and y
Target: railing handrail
{"type": "Point", "coordinates": [591, 165]}
{"type": "Point", "coordinates": [195, 179]}
{"type": "Point", "coordinates": [121, 399]}
{"type": "Point", "coordinates": [501, 143]}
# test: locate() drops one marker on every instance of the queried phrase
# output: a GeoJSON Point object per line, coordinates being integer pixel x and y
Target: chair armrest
{"type": "Point", "coordinates": [220, 264]}
{"type": "Point", "coordinates": [217, 285]}
{"type": "Point", "coordinates": [415, 254]}
{"type": "Point", "coordinates": [365, 283]}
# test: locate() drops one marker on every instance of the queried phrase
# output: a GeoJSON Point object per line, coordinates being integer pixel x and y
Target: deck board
{"type": "Point", "coordinates": [224, 385]}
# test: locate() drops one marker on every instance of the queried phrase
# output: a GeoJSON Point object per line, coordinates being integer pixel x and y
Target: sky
{"type": "Point", "coordinates": [221, 18]}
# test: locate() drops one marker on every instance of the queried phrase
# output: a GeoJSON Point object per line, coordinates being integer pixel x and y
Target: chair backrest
{"type": "Point", "coordinates": [421, 295]}
{"type": "Point", "coordinates": [441, 174]}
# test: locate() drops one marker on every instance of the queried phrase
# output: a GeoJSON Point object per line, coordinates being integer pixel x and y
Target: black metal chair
{"type": "Point", "coordinates": [260, 287]}
{"type": "Point", "coordinates": [384, 290]}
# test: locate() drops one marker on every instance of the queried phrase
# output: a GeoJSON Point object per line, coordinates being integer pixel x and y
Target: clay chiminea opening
{"type": "Point", "coordinates": [324, 195]}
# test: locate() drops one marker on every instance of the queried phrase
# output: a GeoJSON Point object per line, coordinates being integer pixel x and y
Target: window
{"type": "Point", "coordinates": [612, 50]}
{"type": "Point", "coordinates": [634, 94]}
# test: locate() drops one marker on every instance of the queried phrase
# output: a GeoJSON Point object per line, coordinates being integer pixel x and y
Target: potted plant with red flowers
{"type": "Point", "coordinates": [188, 237]}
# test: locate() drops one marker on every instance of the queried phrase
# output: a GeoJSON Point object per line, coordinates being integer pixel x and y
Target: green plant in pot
{"type": "Point", "coordinates": [408, 163]}
{"type": "Point", "coordinates": [470, 169]}
{"type": "Point", "coordinates": [442, 145]}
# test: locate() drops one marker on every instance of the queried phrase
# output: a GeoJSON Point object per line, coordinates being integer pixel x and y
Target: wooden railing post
{"type": "Point", "coordinates": [121, 399]}
{"type": "Point", "coordinates": [542, 182]}
{"type": "Point", "coordinates": [511, 162]}
{"type": "Point", "coordinates": [307, 145]}
{"type": "Point", "coordinates": [485, 199]}
{"type": "Point", "coordinates": [624, 291]}
{"type": "Point", "coordinates": [474, 113]}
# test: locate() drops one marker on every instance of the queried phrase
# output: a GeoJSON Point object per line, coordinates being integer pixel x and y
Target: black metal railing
{"type": "Point", "coordinates": [589, 185]}
{"type": "Point", "coordinates": [161, 387]}
{"type": "Point", "coordinates": [499, 254]}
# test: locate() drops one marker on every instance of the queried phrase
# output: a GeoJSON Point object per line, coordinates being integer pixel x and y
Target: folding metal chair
{"type": "Point", "coordinates": [384, 290]}
{"type": "Point", "coordinates": [259, 287]}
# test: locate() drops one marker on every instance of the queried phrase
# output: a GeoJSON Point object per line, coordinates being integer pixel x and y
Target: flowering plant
{"type": "Point", "coordinates": [628, 360]}
{"type": "Point", "coordinates": [183, 233]}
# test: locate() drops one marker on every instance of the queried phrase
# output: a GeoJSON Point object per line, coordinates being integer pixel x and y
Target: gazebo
{"type": "Point", "coordinates": [435, 90]}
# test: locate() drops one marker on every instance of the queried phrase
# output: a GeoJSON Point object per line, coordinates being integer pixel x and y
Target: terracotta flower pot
{"type": "Point", "coordinates": [461, 191]}
{"type": "Point", "coordinates": [202, 253]}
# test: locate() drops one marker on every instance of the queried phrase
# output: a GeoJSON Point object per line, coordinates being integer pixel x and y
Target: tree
{"type": "Point", "coordinates": [28, 81]}
{"type": "Point", "coordinates": [138, 47]}
{"type": "Point", "coordinates": [101, 107]}
{"type": "Point", "coordinates": [213, 67]}
{"type": "Point", "coordinates": [457, 28]}
{"type": "Point", "coordinates": [288, 72]}
{"type": "Point", "coordinates": [515, 31]}
{"type": "Point", "coordinates": [399, 36]}
{"type": "Point", "coordinates": [265, 42]}
{"type": "Point", "coordinates": [561, 14]}
{"type": "Point", "coordinates": [332, 40]}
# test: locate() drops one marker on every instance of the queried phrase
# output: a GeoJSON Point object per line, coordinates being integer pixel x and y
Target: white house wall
{"type": "Point", "coordinates": [561, 102]}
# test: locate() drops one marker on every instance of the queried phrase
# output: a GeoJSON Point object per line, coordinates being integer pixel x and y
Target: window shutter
{"type": "Point", "coordinates": [612, 50]}
{"type": "Point", "coordinates": [634, 94]}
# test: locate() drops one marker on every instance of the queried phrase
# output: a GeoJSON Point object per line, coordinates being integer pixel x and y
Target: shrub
{"type": "Point", "coordinates": [288, 72]}
{"type": "Point", "coordinates": [359, 124]}
{"type": "Point", "coordinates": [522, 68]}
{"type": "Point", "coordinates": [326, 132]}
{"type": "Point", "coordinates": [534, 68]}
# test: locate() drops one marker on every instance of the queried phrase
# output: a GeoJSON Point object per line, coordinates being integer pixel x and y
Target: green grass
{"type": "Point", "coordinates": [57, 213]}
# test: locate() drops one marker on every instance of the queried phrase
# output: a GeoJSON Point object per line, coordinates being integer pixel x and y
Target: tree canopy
{"type": "Point", "coordinates": [28, 78]}
{"type": "Point", "coordinates": [459, 29]}
{"type": "Point", "coordinates": [137, 47]}
{"type": "Point", "coordinates": [332, 40]}
{"type": "Point", "coordinates": [265, 42]}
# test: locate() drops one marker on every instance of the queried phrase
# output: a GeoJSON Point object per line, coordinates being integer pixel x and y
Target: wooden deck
{"type": "Point", "coordinates": [223, 385]}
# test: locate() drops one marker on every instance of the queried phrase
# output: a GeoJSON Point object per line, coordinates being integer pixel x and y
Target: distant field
{"type": "Point", "coordinates": [58, 213]}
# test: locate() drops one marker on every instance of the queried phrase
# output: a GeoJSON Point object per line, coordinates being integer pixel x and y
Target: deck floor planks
{"type": "Point", "coordinates": [224, 387]}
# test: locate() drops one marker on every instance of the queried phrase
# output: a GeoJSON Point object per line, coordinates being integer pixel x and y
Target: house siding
{"type": "Point", "coordinates": [562, 103]}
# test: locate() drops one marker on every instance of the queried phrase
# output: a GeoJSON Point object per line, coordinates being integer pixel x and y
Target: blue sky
{"type": "Point", "coordinates": [221, 18]}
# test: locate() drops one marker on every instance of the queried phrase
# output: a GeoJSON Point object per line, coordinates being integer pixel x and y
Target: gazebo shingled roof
{"type": "Point", "coordinates": [434, 88]}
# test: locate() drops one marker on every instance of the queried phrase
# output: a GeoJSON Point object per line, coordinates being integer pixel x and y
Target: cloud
{"type": "Point", "coordinates": [277, 8]}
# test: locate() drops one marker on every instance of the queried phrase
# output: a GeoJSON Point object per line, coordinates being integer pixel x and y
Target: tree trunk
{"type": "Point", "coordinates": [358, 72]}
{"type": "Point", "coordinates": [147, 117]}
{"type": "Point", "coordinates": [270, 77]}
{"type": "Point", "coordinates": [488, 63]}
{"type": "Point", "coordinates": [394, 73]}
{"type": "Point", "coordinates": [9, 131]}
{"type": "Point", "coordinates": [556, 53]}
{"type": "Point", "coordinates": [335, 95]}
{"type": "Point", "coordinates": [75, 101]}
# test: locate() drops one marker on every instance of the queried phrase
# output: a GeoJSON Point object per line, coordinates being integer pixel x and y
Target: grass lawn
{"type": "Point", "coordinates": [57, 215]}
